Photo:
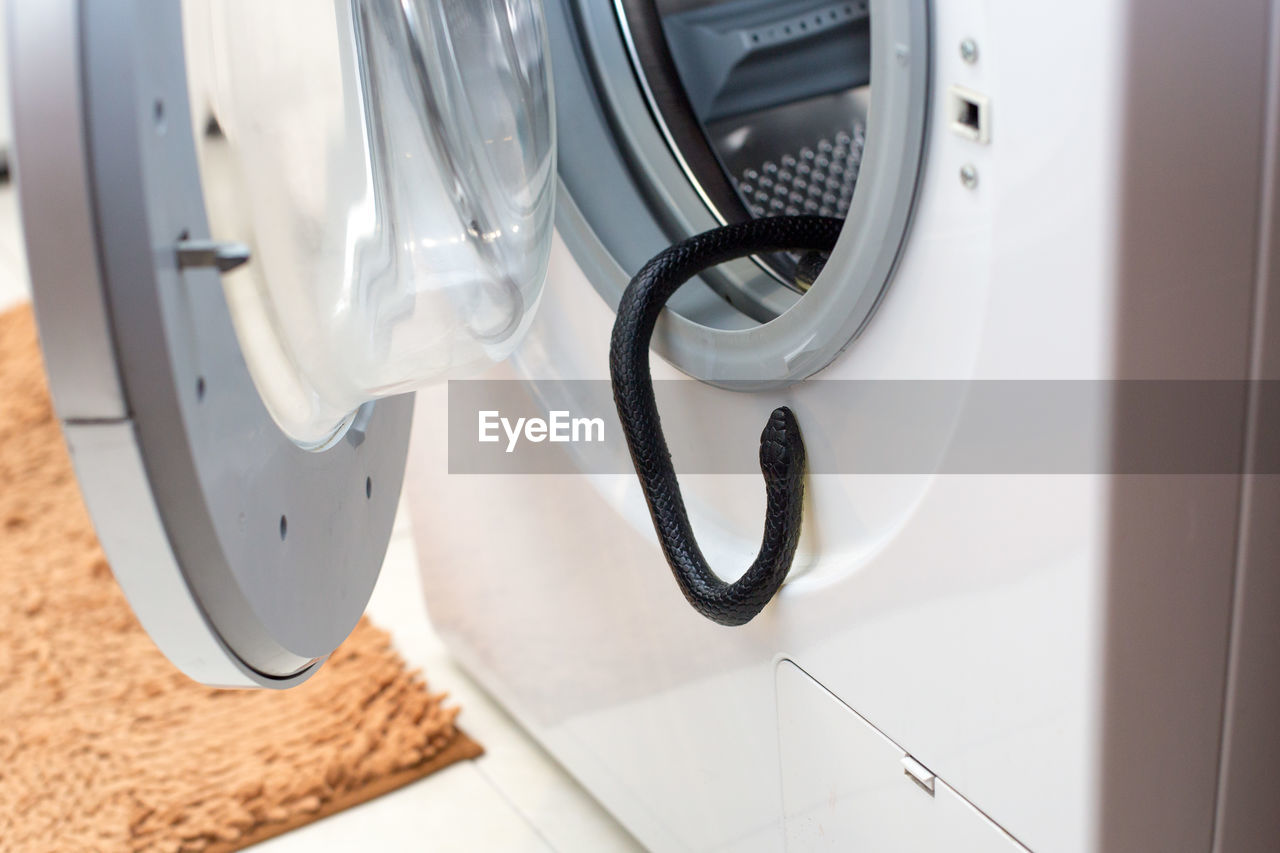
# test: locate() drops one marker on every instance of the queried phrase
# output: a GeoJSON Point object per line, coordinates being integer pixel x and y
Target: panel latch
{"type": "Point", "coordinates": [919, 774]}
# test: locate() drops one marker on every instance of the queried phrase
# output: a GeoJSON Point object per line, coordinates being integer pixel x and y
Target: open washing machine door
{"type": "Point", "coordinates": [251, 229]}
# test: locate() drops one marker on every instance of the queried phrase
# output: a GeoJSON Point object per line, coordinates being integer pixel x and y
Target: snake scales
{"type": "Point", "coordinates": [782, 453]}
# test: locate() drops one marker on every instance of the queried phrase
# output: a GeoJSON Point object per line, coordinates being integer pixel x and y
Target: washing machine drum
{"type": "Point", "coordinates": [253, 227]}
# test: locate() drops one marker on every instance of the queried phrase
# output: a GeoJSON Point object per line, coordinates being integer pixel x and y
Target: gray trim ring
{"type": "Point", "coordinates": [699, 336]}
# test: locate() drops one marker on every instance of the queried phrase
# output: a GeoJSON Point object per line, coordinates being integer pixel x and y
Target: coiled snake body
{"type": "Point", "coordinates": [782, 453]}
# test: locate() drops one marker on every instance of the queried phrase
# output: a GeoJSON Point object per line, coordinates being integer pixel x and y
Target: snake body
{"type": "Point", "coordinates": [782, 453]}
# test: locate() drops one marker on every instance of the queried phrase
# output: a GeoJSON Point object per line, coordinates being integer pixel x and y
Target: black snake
{"type": "Point", "coordinates": [782, 454]}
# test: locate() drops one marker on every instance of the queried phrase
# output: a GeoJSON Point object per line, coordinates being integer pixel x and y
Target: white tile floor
{"type": "Point", "coordinates": [514, 798]}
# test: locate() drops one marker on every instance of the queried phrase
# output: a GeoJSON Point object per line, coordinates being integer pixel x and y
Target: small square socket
{"type": "Point", "coordinates": [970, 114]}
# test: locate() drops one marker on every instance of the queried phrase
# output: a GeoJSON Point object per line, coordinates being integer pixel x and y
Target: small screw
{"type": "Point", "coordinates": [969, 51]}
{"type": "Point", "coordinates": [969, 175]}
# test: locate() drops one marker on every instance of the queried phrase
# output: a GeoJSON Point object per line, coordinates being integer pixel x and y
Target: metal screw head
{"type": "Point", "coordinates": [969, 175]}
{"type": "Point", "coordinates": [969, 51]}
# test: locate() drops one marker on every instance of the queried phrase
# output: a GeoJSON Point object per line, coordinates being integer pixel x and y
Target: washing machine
{"type": "Point", "coordinates": [1032, 604]}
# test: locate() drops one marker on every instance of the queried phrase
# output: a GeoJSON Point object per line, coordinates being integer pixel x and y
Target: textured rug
{"type": "Point", "coordinates": [105, 746]}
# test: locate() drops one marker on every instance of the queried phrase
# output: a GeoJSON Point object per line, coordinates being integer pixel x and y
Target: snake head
{"type": "Point", "coordinates": [781, 446]}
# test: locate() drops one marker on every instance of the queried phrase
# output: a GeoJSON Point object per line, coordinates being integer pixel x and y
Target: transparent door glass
{"type": "Point", "coordinates": [391, 165]}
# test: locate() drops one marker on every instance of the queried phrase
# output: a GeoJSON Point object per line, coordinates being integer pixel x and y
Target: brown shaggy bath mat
{"type": "Point", "coordinates": [105, 746]}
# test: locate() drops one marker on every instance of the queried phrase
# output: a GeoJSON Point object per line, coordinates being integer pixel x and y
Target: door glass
{"type": "Point", "coordinates": [391, 166]}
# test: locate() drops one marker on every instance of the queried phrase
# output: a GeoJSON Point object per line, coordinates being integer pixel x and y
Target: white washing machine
{"type": "Point", "coordinates": [982, 645]}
